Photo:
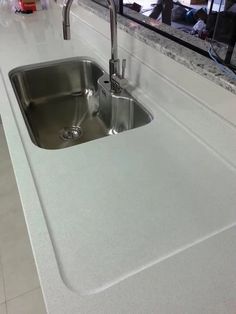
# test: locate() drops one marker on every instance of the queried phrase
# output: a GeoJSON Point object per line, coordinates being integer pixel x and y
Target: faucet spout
{"type": "Point", "coordinates": [66, 19]}
{"type": "Point", "coordinates": [113, 28]}
{"type": "Point", "coordinates": [113, 24]}
{"type": "Point", "coordinates": [114, 62]}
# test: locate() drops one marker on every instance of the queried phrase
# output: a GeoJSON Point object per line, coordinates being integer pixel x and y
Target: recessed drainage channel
{"type": "Point", "coordinates": [72, 133]}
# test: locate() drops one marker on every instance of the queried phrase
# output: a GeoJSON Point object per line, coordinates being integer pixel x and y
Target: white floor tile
{"type": "Point", "coordinates": [3, 145]}
{"type": "Point", "coordinates": [12, 223]}
{"type": "Point", "coordinates": [20, 277]}
{"type": "Point", "coordinates": [19, 270]}
{"type": "Point", "coordinates": [9, 203]}
{"type": "Point", "coordinates": [4, 153]}
{"type": "Point", "coordinates": [20, 249]}
{"type": "Point", "coordinates": [3, 309]}
{"type": "Point", "coordinates": [29, 303]}
{"type": "Point", "coordinates": [10, 199]}
{"type": "Point", "coordinates": [17, 263]}
{"type": "Point", "coordinates": [12, 230]}
{"type": "Point", "coordinates": [8, 189]}
{"type": "Point", "coordinates": [2, 293]}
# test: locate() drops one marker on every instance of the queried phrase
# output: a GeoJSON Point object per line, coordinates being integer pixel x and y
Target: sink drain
{"type": "Point", "coordinates": [72, 133]}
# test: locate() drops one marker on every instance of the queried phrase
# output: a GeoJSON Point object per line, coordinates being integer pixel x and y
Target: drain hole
{"type": "Point", "coordinates": [72, 133]}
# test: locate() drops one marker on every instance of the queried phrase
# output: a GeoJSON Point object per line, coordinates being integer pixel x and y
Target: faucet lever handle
{"type": "Point", "coordinates": [123, 67]}
{"type": "Point", "coordinates": [118, 83]}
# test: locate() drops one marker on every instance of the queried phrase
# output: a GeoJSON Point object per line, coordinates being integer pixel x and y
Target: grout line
{"type": "Point", "coordinates": [4, 287]}
{"type": "Point", "coordinates": [1, 264]}
{"type": "Point", "coordinates": [22, 294]}
{"type": "Point", "coordinates": [5, 306]}
{"type": "Point", "coordinates": [3, 277]}
{"type": "Point", "coordinates": [4, 282]}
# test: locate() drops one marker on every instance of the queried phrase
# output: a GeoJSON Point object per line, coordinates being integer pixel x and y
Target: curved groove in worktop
{"type": "Point", "coordinates": [162, 259]}
{"type": "Point", "coordinates": [124, 273]}
{"type": "Point", "coordinates": [201, 140]}
{"type": "Point", "coordinates": [127, 275]}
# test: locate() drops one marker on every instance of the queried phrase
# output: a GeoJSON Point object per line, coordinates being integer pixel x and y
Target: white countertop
{"type": "Point", "coordinates": [141, 222]}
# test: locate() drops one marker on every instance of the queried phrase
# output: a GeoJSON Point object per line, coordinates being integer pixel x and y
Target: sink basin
{"type": "Point", "coordinates": [62, 106]}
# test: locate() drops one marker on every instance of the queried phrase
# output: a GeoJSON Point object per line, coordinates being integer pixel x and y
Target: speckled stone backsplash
{"type": "Point", "coordinates": [187, 57]}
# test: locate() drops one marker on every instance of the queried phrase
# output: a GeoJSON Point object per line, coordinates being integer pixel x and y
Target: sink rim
{"type": "Point", "coordinates": [38, 65]}
{"type": "Point", "coordinates": [21, 70]}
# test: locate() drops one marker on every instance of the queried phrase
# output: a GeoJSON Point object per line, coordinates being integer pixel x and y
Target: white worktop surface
{"type": "Point", "coordinates": [141, 222]}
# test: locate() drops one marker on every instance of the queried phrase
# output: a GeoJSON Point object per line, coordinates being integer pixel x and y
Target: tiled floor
{"type": "Point", "coordinates": [20, 291]}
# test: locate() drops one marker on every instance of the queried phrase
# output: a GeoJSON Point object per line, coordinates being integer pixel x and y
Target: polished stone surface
{"type": "Point", "coordinates": [175, 171]}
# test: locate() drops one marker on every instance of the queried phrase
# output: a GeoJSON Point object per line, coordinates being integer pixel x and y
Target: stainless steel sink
{"type": "Point", "coordinates": [62, 103]}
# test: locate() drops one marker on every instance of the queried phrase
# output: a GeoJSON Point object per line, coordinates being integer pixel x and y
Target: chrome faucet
{"type": "Point", "coordinates": [117, 80]}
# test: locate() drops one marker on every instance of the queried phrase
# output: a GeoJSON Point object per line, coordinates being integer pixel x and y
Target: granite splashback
{"type": "Point", "coordinates": [185, 56]}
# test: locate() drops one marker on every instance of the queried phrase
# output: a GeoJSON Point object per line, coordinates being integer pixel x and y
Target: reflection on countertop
{"type": "Point", "coordinates": [185, 56]}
